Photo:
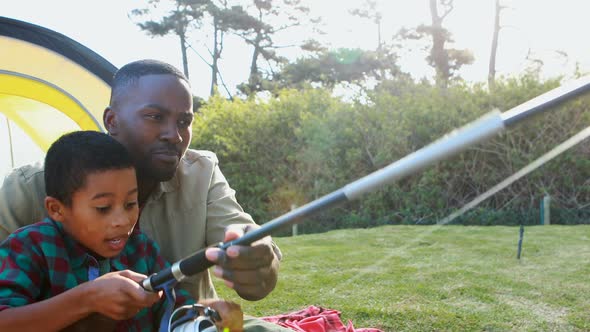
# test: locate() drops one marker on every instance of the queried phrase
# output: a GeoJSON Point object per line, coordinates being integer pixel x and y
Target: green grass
{"type": "Point", "coordinates": [429, 278]}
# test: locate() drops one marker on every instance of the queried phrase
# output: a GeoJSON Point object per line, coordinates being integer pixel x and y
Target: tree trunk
{"type": "Point", "coordinates": [438, 54]}
{"type": "Point", "coordinates": [492, 66]}
{"type": "Point", "coordinates": [216, 55]}
{"type": "Point", "coordinates": [183, 50]}
{"type": "Point", "coordinates": [254, 79]}
{"type": "Point", "coordinates": [379, 42]}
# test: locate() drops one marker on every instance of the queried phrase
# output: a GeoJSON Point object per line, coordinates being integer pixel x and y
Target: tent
{"type": "Point", "coordinates": [49, 85]}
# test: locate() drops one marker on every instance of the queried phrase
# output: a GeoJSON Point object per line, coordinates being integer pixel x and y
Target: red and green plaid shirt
{"type": "Point", "coordinates": [40, 261]}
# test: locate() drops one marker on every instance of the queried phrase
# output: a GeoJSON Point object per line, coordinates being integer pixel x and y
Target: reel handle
{"type": "Point", "coordinates": [188, 266]}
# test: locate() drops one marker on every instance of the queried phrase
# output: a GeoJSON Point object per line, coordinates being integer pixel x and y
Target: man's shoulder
{"type": "Point", "coordinates": [196, 163]}
{"type": "Point", "coordinates": [27, 173]}
{"type": "Point", "coordinates": [21, 198]}
{"type": "Point", "coordinates": [192, 156]}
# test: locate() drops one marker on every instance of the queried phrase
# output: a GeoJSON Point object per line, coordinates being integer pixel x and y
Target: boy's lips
{"type": "Point", "coordinates": [117, 243]}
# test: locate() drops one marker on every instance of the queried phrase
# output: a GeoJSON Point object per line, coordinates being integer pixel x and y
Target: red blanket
{"type": "Point", "coordinates": [315, 319]}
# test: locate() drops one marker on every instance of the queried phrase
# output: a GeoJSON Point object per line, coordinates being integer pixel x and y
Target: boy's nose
{"type": "Point", "coordinates": [122, 219]}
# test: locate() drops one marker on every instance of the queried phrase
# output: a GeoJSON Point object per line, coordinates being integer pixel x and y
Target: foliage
{"type": "Point", "coordinates": [331, 67]}
{"type": "Point", "coordinates": [370, 11]}
{"type": "Point", "coordinates": [257, 139]}
{"type": "Point", "coordinates": [181, 17]}
{"type": "Point", "coordinates": [446, 61]}
{"type": "Point", "coordinates": [299, 145]}
{"type": "Point", "coordinates": [258, 24]}
{"type": "Point", "coordinates": [183, 14]}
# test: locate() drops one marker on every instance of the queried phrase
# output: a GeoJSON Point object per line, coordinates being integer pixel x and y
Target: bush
{"type": "Point", "coordinates": [302, 144]}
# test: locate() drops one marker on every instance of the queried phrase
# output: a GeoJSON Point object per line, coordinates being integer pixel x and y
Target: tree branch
{"type": "Point", "coordinates": [198, 54]}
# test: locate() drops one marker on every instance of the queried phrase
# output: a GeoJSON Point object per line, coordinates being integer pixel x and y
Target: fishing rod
{"type": "Point", "coordinates": [451, 144]}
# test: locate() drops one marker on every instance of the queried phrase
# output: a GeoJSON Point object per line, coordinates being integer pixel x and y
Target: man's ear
{"type": "Point", "coordinates": [109, 119]}
{"type": "Point", "coordinates": [55, 208]}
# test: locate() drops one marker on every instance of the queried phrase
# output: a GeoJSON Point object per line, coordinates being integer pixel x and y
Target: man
{"type": "Point", "coordinates": [185, 202]}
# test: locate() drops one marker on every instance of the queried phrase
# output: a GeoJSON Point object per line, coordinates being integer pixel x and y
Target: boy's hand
{"type": "Point", "coordinates": [232, 317]}
{"type": "Point", "coordinates": [118, 295]}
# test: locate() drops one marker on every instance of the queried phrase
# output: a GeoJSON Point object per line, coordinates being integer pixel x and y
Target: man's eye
{"type": "Point", "coordinates": [103, 209]}
{"type": "Point", "coordinates": [184, 123]}
{"type": "Point", "coordinates": [156, 117]}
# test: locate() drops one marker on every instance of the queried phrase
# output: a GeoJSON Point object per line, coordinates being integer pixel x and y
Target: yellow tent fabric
{"type": "Point", "coordinates": [49, 83]}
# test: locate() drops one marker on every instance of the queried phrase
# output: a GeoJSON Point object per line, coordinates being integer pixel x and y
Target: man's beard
{"type": "Point", "coordinates": [147, 171]}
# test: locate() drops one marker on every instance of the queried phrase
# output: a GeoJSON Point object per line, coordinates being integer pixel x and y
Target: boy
{"type": "Point", "coordinates": [50, 270]}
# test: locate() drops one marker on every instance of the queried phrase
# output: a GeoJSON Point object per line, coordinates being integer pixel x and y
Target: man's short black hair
{"type": "Point", "coordinates": [133, 71]}
{"type": "Point", "coordinates": [74, 156]}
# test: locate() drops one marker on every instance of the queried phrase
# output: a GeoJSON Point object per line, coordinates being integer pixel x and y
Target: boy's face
{"type": "Point", "coordinates": [103, 213]}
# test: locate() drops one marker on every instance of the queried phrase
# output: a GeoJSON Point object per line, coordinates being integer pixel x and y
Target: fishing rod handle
{"type": "Point", "coordinates": [181, 269]}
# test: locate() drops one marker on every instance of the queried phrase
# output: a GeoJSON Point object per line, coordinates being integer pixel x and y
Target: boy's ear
{"type": "Point", "coordinates": [109, 119]}
{"type": "Point", "coordinates": [55, 209]}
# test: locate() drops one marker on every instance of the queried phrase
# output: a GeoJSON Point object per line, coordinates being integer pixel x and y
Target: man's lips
{"type": "Point", "coordinates": [167, 155]}
{"type": "Point", "coordinates": [167, 152]}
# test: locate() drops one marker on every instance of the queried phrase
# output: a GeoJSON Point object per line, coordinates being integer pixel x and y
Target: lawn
{"type": "Point", "coordinates": [430, 278]}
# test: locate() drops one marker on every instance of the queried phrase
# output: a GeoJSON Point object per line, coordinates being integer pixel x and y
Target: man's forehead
{"type": "Point", "coordinates": [151, 86]}
{"type": "Point", "coordinates": [164, 109]}
{"type": "Point", "coordinates": [156, 80]}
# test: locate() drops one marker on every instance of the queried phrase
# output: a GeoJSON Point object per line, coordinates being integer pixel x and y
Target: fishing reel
{"type": "Point", "coordinates": [195, 318]}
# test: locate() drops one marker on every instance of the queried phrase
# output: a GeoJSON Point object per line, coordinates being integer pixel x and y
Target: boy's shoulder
{"type": "Point", "coordinates": [141, 254]}
{"type": "Point", "coordinates": [140, 243]}
{"type": "Point", "coordinates": [37, 233]}
{"type": "Point", "coordinates": [38, 242]}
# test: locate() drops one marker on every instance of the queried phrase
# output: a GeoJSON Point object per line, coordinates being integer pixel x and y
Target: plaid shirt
{"type": "Point", "coordinates": [40, 261]}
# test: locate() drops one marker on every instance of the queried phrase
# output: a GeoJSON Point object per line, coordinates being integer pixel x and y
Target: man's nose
{"type": "Point", "coordinates": [171, 133]}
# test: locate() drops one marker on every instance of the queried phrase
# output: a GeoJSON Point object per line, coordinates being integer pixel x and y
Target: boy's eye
{"type": "Point", "coordinates": [131, 205]}
{"type": "Point", "coordinates": [103, 209]}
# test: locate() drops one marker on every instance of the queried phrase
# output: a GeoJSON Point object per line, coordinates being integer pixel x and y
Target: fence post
{"type": "Point", "coordinates": [294, 228]}
{"type": "Point", "coordinates": [546, 210]}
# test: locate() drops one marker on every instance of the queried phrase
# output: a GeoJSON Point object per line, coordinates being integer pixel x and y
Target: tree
{"type": "Point", "coordinates": [492, 66]}
{"type": "Point", "coordinates": [220, 14]}
{"type": "Point", "coordinates": [258, 25]}
{"type": "Point", "coordinates": [370, 11]}
{"type": "Point", "coordinates": [184, 17]}
{"type": "Point", "coordinates": [179, 20]}
{"type": "Point", "coordinates": [329, 68]}
{"type": "Point", "coordinates": [445, 61]}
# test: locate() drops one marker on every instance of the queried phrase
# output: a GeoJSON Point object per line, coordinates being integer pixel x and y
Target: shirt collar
{"type": "Point", "coordinates": [166, 186]}
{"type": "Point", "coordinates": [78, 254]}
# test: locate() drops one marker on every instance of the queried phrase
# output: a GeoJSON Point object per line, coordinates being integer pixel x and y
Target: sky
{"type": "Point", "coordinates": [546, 29]}
{"type": "Point", "coordinates": [538, 25]}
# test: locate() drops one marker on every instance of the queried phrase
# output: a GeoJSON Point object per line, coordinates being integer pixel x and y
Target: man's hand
{"type": "Point", "coordinates": [118, 295]}
{"type": "Point", "coordinates": [231, 314]}
{"type": "Point", "coordinates": [250, 270]}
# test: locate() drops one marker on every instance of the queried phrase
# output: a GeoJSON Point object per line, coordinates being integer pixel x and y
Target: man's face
{"type": "Point", "coordinates": [154, 121]}
{"type": "Point", "coordinates": [103, 213]}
